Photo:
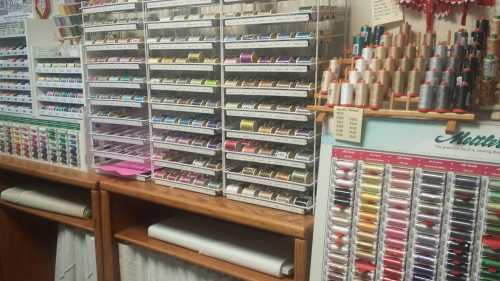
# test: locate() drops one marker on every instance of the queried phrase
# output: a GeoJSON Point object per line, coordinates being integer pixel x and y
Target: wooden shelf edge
{"type": "Point", "coordinates": [50, 172]}
{"type": "Point", "coordinates": [137, 235]}
{"type": "Point", "coordinates": [86, 224]}
{"type": "Point", "coordinates": [281, 222]}
{"type": "Point", "coordinates": [403, 114]}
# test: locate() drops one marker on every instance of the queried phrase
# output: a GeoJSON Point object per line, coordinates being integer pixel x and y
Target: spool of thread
{"type": "Point", "coordinates": [424, 52]}
{"type": "Point", "coordinates": [458, 51]}
{"type": "Point", "coordinates": [495, 25]}
{"type": "Point", "coordinates": [248, 57]}
{"type": "Point", "coordinates": [376, 96]}
{"type": "Point", "coordinates": [420, 64]}
{"type": "Point", "coordinates": [333, 94]}
{"type": "Point", "coordinates": [487, 92]}
{"type": "Point", "coordinates": [354, 76]}
{"type": "Point", "coordinates": [462, 94]}
{"type": "Point", "coordinates": [347, 94]}
{"type": "Point", "coordinates": [381, 52]}
{"type": "Point", "coordinates": [375, 64]}
{"type": "Point", "coordinates": [369, 76]}
{"type": "Point", "coordinates": [468, 76]}
{"type": "Point", "coordinates": [430, 39]}
{"type": "Point", "coordinates": [335, 67]}
{"type": "Point", "coordinates": [301, 176]}
{"type": "Point", "coordinates": [436, 63]}
{"type": "Point", "coordinates": [441, 50]}
{"type": "Point", "coordinates": [455, 64]}
{"type": "Point", "coordinates": [414, 79]}
{"type": "Point", "coordinates": [232, 145]}
{"type": "Point", "coordinates": [384, 78]}
{"type": "Point", "coordinates": [490, 67]}
{"type": "Point", "coordinates": [361, 96]}
{"type": "Point", "coordinates": [390, 64]}
{"type": "Point", "coordinates": [405, 64]}
{"type": "Point", "coordinates": [433, 77]}
{"type": "Point", "coordinates": [249, 125]}
{"type": "Point", "coordinates": [399, 40]}
{"type": "Point", "coordinates": [377, 34]}
{"type": "Point", "coordinates": [386, 39]}
{"type": "Point", "coordinates": [367, 53]}
{"type": "Point", "coordinates": [325, 81]}
{"type": "Point", "coordinates": [395, 52]}
{"type": "Point", "coordinates": [196, 57]}
{"type": "Point", "coordinates": [427, 96]}
{"type": "Point", "coordinates": [405, 28]}
{"type": "Point", "coordinates": [410, 52]}
{"type": "Point", "coordinates": [361, 65]}
{"type": "Point", "coordinates": [493, 46]}
{"type": "Point", "coordinates": [399, 83]}
{"type": "Point", "coordinates": [449, 77]}
{"type": "Point", "coordinates": [461, 37]}
{"type": "Point", "coordinates": [443, 98]}
{"type": "Point", "coordinates": [357, 46]}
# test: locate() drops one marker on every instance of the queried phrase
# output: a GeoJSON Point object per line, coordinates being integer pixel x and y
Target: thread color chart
{"type": "Point", "coordinates": [52, 142]}
{"type": "Point", "coordinates": [401, 217]}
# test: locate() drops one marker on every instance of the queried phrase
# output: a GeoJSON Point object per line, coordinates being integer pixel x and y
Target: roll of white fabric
{"type": "Point", "coordinates": [65, 201]}
{"type": "Point", "coordinates": [264, 252]}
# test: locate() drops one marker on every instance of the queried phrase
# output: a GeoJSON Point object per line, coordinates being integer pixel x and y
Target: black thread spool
{"type": "Point", "coordinates": [443, 98]}
{"type": "Point", "coordinates": [455, 64]}
{"type": "Point", "coordinates": [462, 95]}
{"type": "Point", "coordinates": [458, 51]}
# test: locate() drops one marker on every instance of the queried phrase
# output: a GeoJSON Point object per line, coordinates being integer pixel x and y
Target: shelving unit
{"type": "Point", "coordinates": [115, 80]}
{"type": "Point", "coordinates": [183, 62]}
{"type": "Point", "coordinates": [15, 89]}
{"type": "Point", "coordinates": [59, 85]}
{"type": "Point", "coordinates": [271, 51]}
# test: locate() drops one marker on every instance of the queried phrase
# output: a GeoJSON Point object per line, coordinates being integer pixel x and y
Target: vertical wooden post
{"type": "Point", "coordinates": [110, 250]}
{"type": "Point", "coordinates": [301, 259]}
{"type": "Point", "coordinates": [96, 218]}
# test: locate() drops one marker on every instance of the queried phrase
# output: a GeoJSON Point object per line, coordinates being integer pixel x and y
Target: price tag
{"type": "Point", "coordinates": [348, 123]}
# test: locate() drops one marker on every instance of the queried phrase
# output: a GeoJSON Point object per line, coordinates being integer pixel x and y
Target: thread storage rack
{"type": "Point", "coordinates": [183, 66]}
{"type": "Point", "coordinates": [15, 87]}
{"type": "Point", "coordinates": [270, 53]}
{"type": "Point", "coordinates": [115, 78]}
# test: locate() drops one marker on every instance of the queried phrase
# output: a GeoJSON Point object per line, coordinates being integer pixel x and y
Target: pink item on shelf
{"type": "Point", "coordinates": [126, 168]}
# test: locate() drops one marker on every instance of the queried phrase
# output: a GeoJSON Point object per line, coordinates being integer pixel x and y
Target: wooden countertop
{"type": "Point", "coordinates": [272, 220]}
{"type": "Point", "coordinates": [49, 172]}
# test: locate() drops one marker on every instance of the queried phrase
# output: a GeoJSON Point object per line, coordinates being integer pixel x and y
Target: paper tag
{"type": "Point", "coordinates": [386, 11]}
{"type": "Point", "coordinates": [348, 124]}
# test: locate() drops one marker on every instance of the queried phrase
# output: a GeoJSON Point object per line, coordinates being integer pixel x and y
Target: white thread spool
{"type": "Point", "coordinates": [347, 94]}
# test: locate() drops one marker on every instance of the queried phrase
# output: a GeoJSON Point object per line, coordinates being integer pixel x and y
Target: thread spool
{"type": "Point", "coordinates": [384, 78]}
{"type": "Point", "coordinates": [386, 39]}
{"type": "Point", "coordinates": [405, 64]}
{"type": "Point", "coordinates": [375, 64]}
{"type": "Point", "coordinates": [325, 81]}
{"type": "Point", "coordinates": [493, 46]}
{"type": "Point", "coordinates": [426, 97]}
{"type": "Point", "coordinates": [436, 63]}
{"type": "Point", "coordinates": [443, 98]}
{"type": "Point", "coordinates": [461, 37]}
{"type": "Point", "coordinates": [495, 25]}
{"type": "Point", "coordinates": [367, 53]}
{"type": "Point", "coordinates": [424, 52]}
{"type": "Point", "coordinates": [377, 34]}
{"type": "Point", "coordinates": [430, 39]}
{"type": "Point", "coordinates": [487, 90]}
{"type": "Point", "coordinates": [354, 76]}
{"type": "Point", "coordinates": [347, 94]}
{"type": "Point", "coordinates": [196, 57]}
{"type": "Point", "coordinates": [248, 57]}
{"type": "Point", "coordinates": [369, 76]}
{"type": "Point", "coordinates": [395, 52]}
{"type": "Point", "coordinates": [462, 95]}
{"type": "Point", "coordinates": [490, 67]}
{"type": "Point", "coordinates": [414, 79]}
{"type": "Point", "coordinates": [420, 64]}
{"type": "Point", "coordinates": [390, 64]}
{"type": "Point", "coordinates": [361, 96]}
{"type": "Point", "coordinates": [441, 50]}
{"type": "Point", "coordinates": [301, 177]}
{"type": "Point", "coordinates": [333, 94]}
{"type": "Point", "coordinates": [398, 83]}
{"type": "Point", "coordinates": [399, 40]}
{"type": "Point", "coordinates": [376, 96]}
{"type": "Point", "coordinates": [381, 52]}
{"type": "Point", "coordinates": [433, 77]}
{"type": "Point", "coordinates": [405, 28]}
{"type": "Point", "coordinates": [458, 51]}
{"type": "Point", "coordinates": [449, 77]}
{"type": "Point", "coordinates": [410, 52]}
{"type": "Point", "coordinates": [232, 145]}
{"type": "Point", "coordinates": [469, 77]}
{"type": "Point", "coordinates": [335, 67]}
{"type": "Point", "coordinates": [360, 65]}
{"type": "Point", "coordinates": [249, 125]}
{"type": "Point", "coordinates": [455, 64]}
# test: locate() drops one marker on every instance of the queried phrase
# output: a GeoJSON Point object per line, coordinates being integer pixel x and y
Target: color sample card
{"type": "Point", "coordinates": [490, 259]}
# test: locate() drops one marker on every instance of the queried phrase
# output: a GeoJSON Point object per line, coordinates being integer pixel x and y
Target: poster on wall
{"type": "Point", "coordinates": [386, 11]}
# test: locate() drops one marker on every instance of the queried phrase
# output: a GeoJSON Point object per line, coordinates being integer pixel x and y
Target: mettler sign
{"type": "Point", "coordinates": [479, 142]}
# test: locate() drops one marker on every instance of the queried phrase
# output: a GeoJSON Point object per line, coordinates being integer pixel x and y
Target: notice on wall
{"type": "Point", "coordinates": [386, 11]}
{"type": "Point", "coordinates": [348, 123]}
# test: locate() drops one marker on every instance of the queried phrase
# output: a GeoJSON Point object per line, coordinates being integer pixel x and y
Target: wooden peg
{"type": "Point", "coordinates": [451, 127]}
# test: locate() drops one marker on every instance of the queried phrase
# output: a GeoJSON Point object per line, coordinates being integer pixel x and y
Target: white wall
{"type": "Point", "coordinates": [361, 15]}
